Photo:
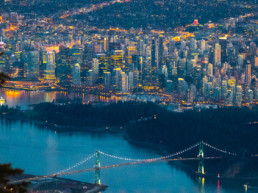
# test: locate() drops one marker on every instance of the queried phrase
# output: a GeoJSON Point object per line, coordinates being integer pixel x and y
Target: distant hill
{"type": "Point", "coordinates": [44, 7]}
{"type": "Point", "coordinates": [162, 14]}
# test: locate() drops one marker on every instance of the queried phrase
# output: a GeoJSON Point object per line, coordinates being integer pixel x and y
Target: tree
{"type": "Point", "coordinates": [5, 172]}
{"type": "Point", "coordinates": [3, 77]}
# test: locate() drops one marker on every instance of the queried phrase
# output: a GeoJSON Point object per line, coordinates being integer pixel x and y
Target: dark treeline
{"type": "Point", "coordinates": [231, 128]}
{"type": "Point", "coordinates": [117, 114]}
{"type": "Point", "coordinates": [162, 14]}
{"type": "Point", "coordinates": [44, 8]}
{"type": "Point", "coordinates": [228, 128]}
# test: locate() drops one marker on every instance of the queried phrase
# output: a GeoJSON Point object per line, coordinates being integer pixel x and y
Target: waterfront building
{"type": "Point", "coordinates": [229, 98]}
{"type": "Point", "coordinates": [224, 88]}
{"type": "Point", "coordinates": [89, 78]}
{"type": "Point", "coordinates": [238, 95]}
{"type": "Point", "coordinates": [123, 84]}
{"type": "Point", "coordinates": [131, 80]}
{"type": "Point", "coordinates": [182, 86]}
{"type": "Point", "coordinates": [107, 79]}
{"type": "Point", "coordinates": [249, 96]}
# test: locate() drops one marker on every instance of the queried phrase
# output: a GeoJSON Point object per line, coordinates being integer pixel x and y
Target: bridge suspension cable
{"type": "Point", "coordinates": [217, 149]}
{"type": "Point", "coordinates": [151, 159]}
{"type": "Point", "coordinates": [148, 159]}
{"type": "Point", "coordinates": [77, 164]}
{"type": "Point", "coordinates": [106, 167]}
{"type": "Point", "coordinates": [134, 161]}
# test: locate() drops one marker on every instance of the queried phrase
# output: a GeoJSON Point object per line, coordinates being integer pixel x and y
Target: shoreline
{"type": "Point", "coordinates": [34, 90]}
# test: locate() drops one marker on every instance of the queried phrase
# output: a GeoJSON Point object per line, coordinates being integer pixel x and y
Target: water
{"type": "Point", "coordinates": [26, 98]}
{"type": "Point", "coordinates": [40, 152]}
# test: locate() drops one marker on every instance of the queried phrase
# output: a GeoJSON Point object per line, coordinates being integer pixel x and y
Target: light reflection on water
{"type": "Point", "coordinates": [25, 98]}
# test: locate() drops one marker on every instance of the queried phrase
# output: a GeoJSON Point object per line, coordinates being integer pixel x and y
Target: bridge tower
{"type": "Point", "coordinates": [97, 169]}
{"type": "Point", "coordinates": [201, 159]}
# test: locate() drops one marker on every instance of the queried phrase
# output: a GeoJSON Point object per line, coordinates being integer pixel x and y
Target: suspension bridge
{"type": "Point", "coordinates": [134, 161]}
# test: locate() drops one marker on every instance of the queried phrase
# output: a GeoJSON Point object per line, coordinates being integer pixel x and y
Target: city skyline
{"type": "Point", "coordinates": [212, 63]}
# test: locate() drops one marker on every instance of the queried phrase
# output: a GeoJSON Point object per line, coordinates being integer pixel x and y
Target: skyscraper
{"type": "Point", "coordinates": [193, 44]}
{"type": "Point", "coordinates": [2, 45]}
{"type": "Point", "coordinates": [124, 82]}
{"type": "Point", "coordinates": [89, 78]}
{"type": "Point", "coordinates": [160, 51]}
{"type": "Point", "coordinates": [229, 98]}
{"type": "Point", "coordinates": [62, 70]}
{"type": "Point", "coordinates": [224, 88]}
{"type": "Point", "coordinates": [116, 78]}
{"type": "Point", "coordinates": [203, 45]}
{"type": "Point", "coordinates": [33, 64]}
{"type": "Point", "coordinates": [256, 62]}
{"type": "Point", "coordinates": [106, 44]}
{"type": "Point", "coordinates": [182, 86]}
{"type": "Point", "coordinates": [223, 49]}
{"type": "Point", "coordinates": [217, 55]}
{"type": "Point", "coordinates": [76, 54]}
{"type": "Point", "coordinates": [238, 95]}
{"type": "Point", "coordinates": [249, 96]}
{"type": "Point", "coordinates": [49, 74]}
{"type": "Point", "coordinates": [153, 53]}
{"type": "Point", "coordinates": [95, 66]}
{"type": "Point", "coordinates": [76, 74]}
{"type": "Point", "coordinates": [181, 68]}
{"type": "Point", "coordinates": [253, 48]}
{"type": "Point", "coordinates": [210, 70]}
{"type": "Point", "coordinates": [248, 76]}
{"type": "Point", "coordinates": [240, 60]}
{"type": "Point", "coordinates": [43, 62]}
{"type": "Point", "coordinates": [131, 80]}
{"type": "Point", "coordinates": [117, 58]}
{"type": "Point", "coordinates": [107, 79]}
